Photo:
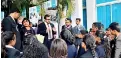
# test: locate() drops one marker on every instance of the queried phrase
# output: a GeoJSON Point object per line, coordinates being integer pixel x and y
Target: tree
{"type": "Point", "coordinates": [23, 4]}
{"type": "Point", "coordinates": [61, 4]}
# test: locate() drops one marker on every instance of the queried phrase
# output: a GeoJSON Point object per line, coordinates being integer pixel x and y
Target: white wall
{"type": "Point", "coordinates": [78, 12]}
{"type": "Point", "coordinates": [91, 13]}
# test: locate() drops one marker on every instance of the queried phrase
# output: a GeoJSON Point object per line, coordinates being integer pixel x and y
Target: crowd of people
{"type": "Point", "coordinates": [18, 39]}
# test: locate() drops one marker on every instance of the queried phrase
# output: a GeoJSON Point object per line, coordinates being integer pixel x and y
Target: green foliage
{"type": "Point", "coordinates": [61, 6]}
{"type": "Point", "coordinates": [21, 4]}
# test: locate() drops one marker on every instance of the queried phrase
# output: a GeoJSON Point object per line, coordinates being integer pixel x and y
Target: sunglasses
{"type": "Point", "coordinates": [47, 19]}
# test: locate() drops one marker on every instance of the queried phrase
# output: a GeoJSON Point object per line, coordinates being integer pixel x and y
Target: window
{"type": "Point", "coordinates": [103, 1]}
{"type": "Point", "coordinates": [116, 13]}
{"type": "Point", "coordinates": [104, 15]}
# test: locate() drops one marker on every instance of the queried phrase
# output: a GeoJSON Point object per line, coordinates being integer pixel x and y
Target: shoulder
{"type": "Point", "coordinates": [41, 24]}
{"type": "Point", "coordinates": [12, 52]}
{"type": "Point", "coordinates": [52, 24]}
{"type": "Point", "coordinates": [63, 25]}
{"type": "Point", "coordinates": [6, 19]}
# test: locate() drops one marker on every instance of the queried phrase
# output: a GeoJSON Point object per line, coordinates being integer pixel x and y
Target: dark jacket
{"type": "Point", "coordinates": [12, 53]}
{"type": "Point", "coordinates": [10, 25]}
{"type": "Point", "coordinates": [100, 51]}
{"type": "Point", "coordinates": [72, 51]}
{"type": "Point", "coordinates": [70, 29]}
{"type": "Point", "coordinates": [69, 39]}
{"type": "Point", "coordinates": [23, 31]}
{"type": "Point", "coordinates": [112, 46]}
{"type": "Point", "coordinates": [42, 31]}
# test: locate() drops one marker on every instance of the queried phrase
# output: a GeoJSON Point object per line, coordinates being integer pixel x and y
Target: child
{"type": "Point", "coordinates": [10, 41]}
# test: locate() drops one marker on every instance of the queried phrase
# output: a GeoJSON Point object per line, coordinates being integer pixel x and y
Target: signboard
{"type": "Point", "coordinates": [34, 14]}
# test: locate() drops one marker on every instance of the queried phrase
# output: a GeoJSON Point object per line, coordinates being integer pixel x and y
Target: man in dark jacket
{"type": "Point", "coordinates": [115, 30]}
{"type": "Point", "coordinates": [47, 29]}
{"type": "Point", "coordinates": [68, 25]}
{"type": "Point", "coordinates": [9, 24]}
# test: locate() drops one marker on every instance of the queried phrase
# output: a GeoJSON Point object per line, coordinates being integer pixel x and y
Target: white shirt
{"type": "Point", "coordinates": [48, 26]}
{"type": "Point", "coordinates": [8, 46]}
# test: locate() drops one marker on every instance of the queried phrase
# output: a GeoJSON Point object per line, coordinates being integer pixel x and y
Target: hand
{"type": "Point", "coordinates": [54, 29]}
{"type": "Point", "coordinates": [84, 46]}
{"type": "Point", "coordinates": [77, 35]}
{"type": "Point", "coordinates": [54, 36]}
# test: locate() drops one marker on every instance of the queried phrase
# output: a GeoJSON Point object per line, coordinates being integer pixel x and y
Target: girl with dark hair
{"type": "Point", "coordinates": [81, 49]}
{"type": "Point", "coordinates": [69, 39]}
{"type": "Point", "coordinates": [10, 41]}
{"type": "Point", "coordinates": [99, 47]}
{"type": "Point", "coordinates": [27, 27]}
{"type": "Point", "coordinates": [58, 49]}
{"type": "Point", "coordinates": [89, 47]}
{"type": "Point", "coordinates": [33, 48]}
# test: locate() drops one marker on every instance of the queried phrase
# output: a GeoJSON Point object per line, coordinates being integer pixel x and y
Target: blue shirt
{"type": "Point", "coordinates": [72, 51]}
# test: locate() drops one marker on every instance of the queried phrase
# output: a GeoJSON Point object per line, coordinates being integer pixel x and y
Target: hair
{"type": "Point", "coordinates": [39, 20]}
{"type": "Point", "coordinates": [83, 32]}
{"type": "Point", "coordinates": [67, 36]}
{"type": "Point", "coordinates": [90, 29]}
{"type": "Point", "coordinates": [33, 48]}
{"type": "Point", "coordinates": [102, 25]}
{"type": "Point", "coordinates": [8, 36]}
{"type": "Point", "coordinates": [115, 26]}
{"type": "Point", "coordinates": [78, 19]}
{"type": "Point", "coordinates": [3, 52]}
{"type": "Point", "coordinates": [69, 19]}
{"type": "Point", "coordinates": [98, 25]}
{"type": "Point", "coordinates": [47, 15]}
{"type": "Point", "coordinates": [26, 19]}
{"type": "Point", "coordinates": [106, 29]}
{"type": "Point", "coordinates": [100, 35]}
{"type": "Point", "coordinates": [89, 40]}
{"type": "Point", "coordinates": [58, 49]}
{"type": "Point", "coordinates": [14, 9]}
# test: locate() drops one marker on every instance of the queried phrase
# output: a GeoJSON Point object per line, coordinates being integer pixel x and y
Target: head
{"type": "Point", "coordinates": [33, 48]}
{"type": "Point", "coordinates": [9, 37]}
{"type": "Point", "coordinates": [91, 32]}
{"type": "Point", "coordinates": [83, 33]}
{"type": "Point", "coordinates": [20, 19]}
{"type": "Point", "coordinates": [78, 20]}
{"type": "Point", "coordinates": [96, 26]}
{"type": "Point", "coordinates": [67, 36]}
{"type": "Point", "coordinates": [89, 40]}
{"type": "Point", "coordinates": [26, 22]}
{"type": "Point", "coordinates": [98, 37]}
{"type": "Point", "coordinates": [68, 22]}
{"type": "Point", "coordinates": [15, 13]}
{"type": "Point", "coordinates": [114, 28]}
{"type": "Point", "coordinates": [102, 26]}
{"type": "Point", "coordinates": [47, 18]}
{"type": "Point", "coordinates": [108, 32]}
{"type": "Point", "coordinates": [58, 49]}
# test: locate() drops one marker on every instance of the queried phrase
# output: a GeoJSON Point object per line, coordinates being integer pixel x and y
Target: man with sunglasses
{"type": "Point", "coordinates": [48, 30]}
